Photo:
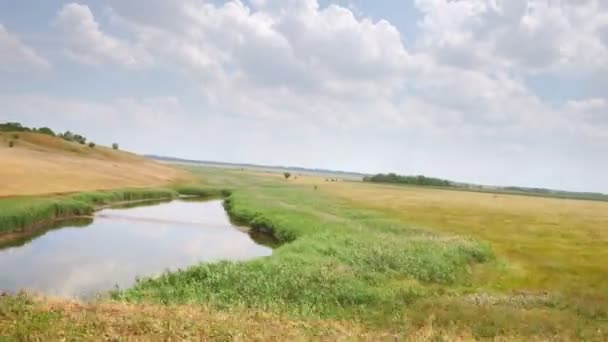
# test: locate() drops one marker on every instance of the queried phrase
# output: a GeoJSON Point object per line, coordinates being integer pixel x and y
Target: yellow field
{"type": "Point", "coordinates": [546, 244]}
{"type": "Point", "coordinates": [41, 164]}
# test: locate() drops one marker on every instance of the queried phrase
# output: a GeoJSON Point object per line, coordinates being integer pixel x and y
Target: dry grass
{"type": "Point", "coordinates": [41, 164]}
{"type": "Point", "coordinates": [48, 319]}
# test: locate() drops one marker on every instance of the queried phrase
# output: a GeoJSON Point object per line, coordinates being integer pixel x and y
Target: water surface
{"type": "Point", "coordinates": [84, 257]}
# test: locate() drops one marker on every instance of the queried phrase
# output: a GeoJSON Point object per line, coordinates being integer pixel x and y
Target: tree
{"type": "Point", "coordinates": [80, 139]}
{"type": "Point", "coordinates": [46, 130]}
{"type": "Point", "coordinates": [69, 136]}
{"type": "Point", "coordinates": [91, 144]}
{"type": "Point", "coordinates": [287, 175]}
{"type": "Point", "coordinates": [115, 146]}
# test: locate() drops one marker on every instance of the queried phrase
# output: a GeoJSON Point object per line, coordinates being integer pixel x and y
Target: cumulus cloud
{"type": "Point", "coordinates": [88, 44]}
{"type": "Point", "coordinates": [286, 59]}
{"type": "Point", "coordinates": [528, 35]}
{"type": "Point", "coordinates": [16, 55]}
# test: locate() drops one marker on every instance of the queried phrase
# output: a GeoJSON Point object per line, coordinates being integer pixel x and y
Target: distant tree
{"type": "Point", "coordinates": [67, 135]}
{"type": "Point", "coordinates": [11, 143]}
{"type": "Point", "coordinates": [286, 175]}
{"type": "Point", "coordinates": [13, 127]}
{"type": "Point", "coordinates": [91, 144]}
{"type": "Point", "coordinates": [46, 130]}
{"type": "Point", "coordinates": [80, 139]}
{"type": "Point", "coordinates": [115, 146]}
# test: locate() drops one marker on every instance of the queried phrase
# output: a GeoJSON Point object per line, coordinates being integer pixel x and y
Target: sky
{"type": "Point", "coordinates": [501, 92]}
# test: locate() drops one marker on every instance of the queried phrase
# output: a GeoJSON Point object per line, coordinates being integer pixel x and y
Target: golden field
{"type": "Point", "coordinates": [40, 164]}
{"type": "Point", "coordinates": [544, 244]}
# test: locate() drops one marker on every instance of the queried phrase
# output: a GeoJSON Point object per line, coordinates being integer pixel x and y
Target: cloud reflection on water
{"type": "Point", "coordinates": [114, 251]}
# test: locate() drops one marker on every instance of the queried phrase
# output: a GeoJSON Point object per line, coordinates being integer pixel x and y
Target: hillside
{"type": "Point", "coordinates": [42, 164]}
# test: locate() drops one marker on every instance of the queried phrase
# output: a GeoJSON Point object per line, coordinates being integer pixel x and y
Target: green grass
{"type": "Point", "coordinates": [24, 213]}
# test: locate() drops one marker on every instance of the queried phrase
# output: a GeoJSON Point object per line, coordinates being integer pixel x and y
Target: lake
{"type": "Point", "coordinates": [81, 258]}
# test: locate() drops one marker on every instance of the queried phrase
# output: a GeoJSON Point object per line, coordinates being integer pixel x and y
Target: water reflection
{"type": "Point", "coordinates": [122, 243]}
{"type": "Point", "coordinates": [23, 238]}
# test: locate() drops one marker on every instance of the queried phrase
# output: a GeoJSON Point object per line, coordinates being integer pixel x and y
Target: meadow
{"type": "Point", "coordinates": [366, 261]}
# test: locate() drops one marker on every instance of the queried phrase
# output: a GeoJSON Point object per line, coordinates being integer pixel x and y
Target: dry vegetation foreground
{"type": "Point", "coordinates": [40, 164]}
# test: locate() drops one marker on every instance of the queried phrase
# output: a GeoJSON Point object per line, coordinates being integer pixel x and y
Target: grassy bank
{"type": "Point", "coordinates": [28, 213]}
{"type": "Point", "coordinates": [25, 213]}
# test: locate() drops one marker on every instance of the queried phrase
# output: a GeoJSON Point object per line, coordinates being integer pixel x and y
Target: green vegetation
{"type": "Point", "coordinates": [392, 178]}
{"type": "Point", "coordinates": [13, 127]}
{"type": "Point", "coordinates": [69, 136]}
{"type": "Point", "coordinates": [46, 130]}
{"type": "Point", "coordinates": [17, 127]}
{"type": "Point", "coordinates": [410, 180]}
{"type": "Point", "coordinates": [21, 213]}
{"type": "Point", "coordinates": [92, 144]}
{"type": "Point", "coordinates": [115, 146]}
{"type": "Point", "coordinates": [286, 175]}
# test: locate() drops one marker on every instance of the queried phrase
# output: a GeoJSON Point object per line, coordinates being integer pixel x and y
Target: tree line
{"type": "Point", "coordinates": [67, 135]}
{"type": "Point", "coordinates": [411, 180]}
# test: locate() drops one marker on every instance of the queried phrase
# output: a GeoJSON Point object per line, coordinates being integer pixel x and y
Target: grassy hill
{"type": "Point", "coordinates": [42, 164]}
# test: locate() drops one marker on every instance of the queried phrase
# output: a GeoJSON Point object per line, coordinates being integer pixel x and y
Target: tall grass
{"type": "Point", "coordinates": [21, 213]}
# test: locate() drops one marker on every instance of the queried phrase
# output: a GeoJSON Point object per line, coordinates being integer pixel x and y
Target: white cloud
{"type": "Point", "coordinates": [16, 55]}
{"type": "Point", "coordinates": [326, 67]}
{"type": "Point", "coordinates": [528, 35]}
{"type": "Point", "coordinates": [88, 44]}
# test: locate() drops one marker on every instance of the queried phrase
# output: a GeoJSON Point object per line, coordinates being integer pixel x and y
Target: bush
{"type": "Point", "coordinates": [91, 144]}
{"type": "Point", "coordinates": [15, 136]}
{"type": "Point", "coordinates": [286, 175]}
{"type": "Point", "coordinates": [46, 130]}
{"type": "Point", "coordinates": [115, 146]}
{"type": "Point", "coordinates": [11, 143]}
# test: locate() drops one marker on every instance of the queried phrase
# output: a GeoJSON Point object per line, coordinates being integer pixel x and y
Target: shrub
{"type": "Point", "coordinates": [115, 146]}
{"type": "Point", "coordinates": [91, 144]}
{"type": "Point", "coordinates": [46, 130]}
{"type": "Point", "coordinates": [286, 175]}
{"type": "Point", "coordinates": [15, 136]}
{"type": "Point", "coordinates": [11, 143]}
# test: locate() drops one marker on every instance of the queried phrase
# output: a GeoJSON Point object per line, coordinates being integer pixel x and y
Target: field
{"type": "Point", "coordinates": [365, 261]}
{"type": "Point", "coordinates": [39, 164]}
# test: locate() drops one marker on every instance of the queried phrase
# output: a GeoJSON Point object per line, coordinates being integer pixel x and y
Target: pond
{"type": "Point", "coordinates": [84, 257]}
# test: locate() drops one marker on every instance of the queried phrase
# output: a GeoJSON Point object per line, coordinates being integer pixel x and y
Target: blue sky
{"type": "Point", "coordinates": [496, 92]}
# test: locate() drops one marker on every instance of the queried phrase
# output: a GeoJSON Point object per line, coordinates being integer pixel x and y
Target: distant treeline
{"type": "Point", "coordinates": [516, 190]}
{"type": "Point", "coordinates": [17, 127]}
{"type": "Point", "coordinates": [67, 135]}
{"type": "Point", "coordinates": [412, 180]}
